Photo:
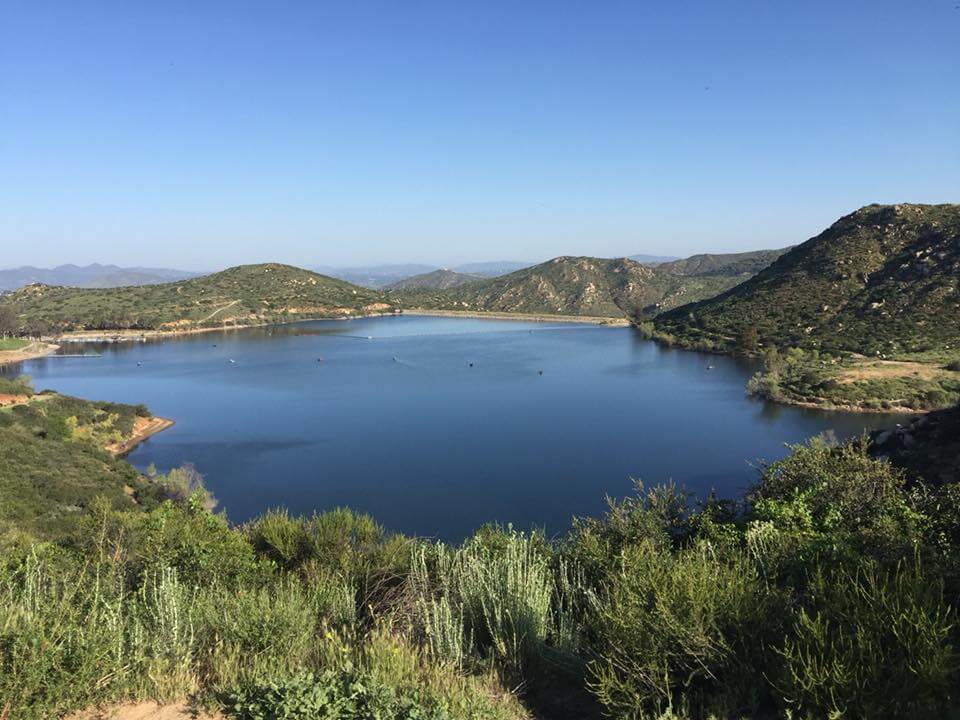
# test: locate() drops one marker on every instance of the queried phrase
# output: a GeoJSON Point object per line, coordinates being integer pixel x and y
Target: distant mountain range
{"type": "Point", "coordinates": [374, 276]}
{"type": "Point", "coordinates": [89, 276]}
{"type": "Point", "coordinates": [436, 280]}
{"type": "Point", "coordinates": [491, 269]}
{"type": "Point", "coordinates": [652, 259]}
{"type": "Point", "coordinates": [743, 264]}
{"type": "Point", "coordinates": [381, 276]}
{"type": "Point", "coordinates": [883, 279]}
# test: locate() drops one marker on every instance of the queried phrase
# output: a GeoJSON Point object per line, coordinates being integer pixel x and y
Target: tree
{"type": "Point", "coordinates": [37, 328]}
{"type": "Point", "coordinates": [8, 321]}
{"type": "Point", "coordinates": [747, 339]}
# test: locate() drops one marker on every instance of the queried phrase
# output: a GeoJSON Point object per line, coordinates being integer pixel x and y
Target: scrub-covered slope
{"type": "Point", "coordinates": [882, 280]}
{"type": "Point", "coordinates": [244, 295]}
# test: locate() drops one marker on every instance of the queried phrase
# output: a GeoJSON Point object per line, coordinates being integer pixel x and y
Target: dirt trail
{"type": "Point", "coordinates": [219, 310]}
{"type": "Point", "coordinates": [144, 711]}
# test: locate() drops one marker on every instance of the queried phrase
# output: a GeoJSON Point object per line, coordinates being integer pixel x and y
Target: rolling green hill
{"type": "Point", "coordinates": [880, 281]}
{"type": "Point", "coordinates": [244, 295]}
{"type": "Point", "coordinates": [596, 286]}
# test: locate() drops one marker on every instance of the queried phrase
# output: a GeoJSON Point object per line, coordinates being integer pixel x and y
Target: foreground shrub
{"type": "Point", "coordinates": [201, 546]}
{"type": "Point", "coordinates": [837, 500]}
{"type": "Point", "coordinates": [20, 385]}
{"type": "Point", "coordinates": [490, 598]}
{"type": "Point", "coordinates": [682, 629]}
{"type": "Point", "coordinates": [659, 515]}
{"type": "Point", "coordinates": [870, 643]}
{"type": "Point", "coordinates": [341, 545]}
{"type": "Point", "coordinates": [253, 633]}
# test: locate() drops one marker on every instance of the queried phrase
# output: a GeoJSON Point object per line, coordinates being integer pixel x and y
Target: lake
{"type": "Point", "coordinates": [438, 425]}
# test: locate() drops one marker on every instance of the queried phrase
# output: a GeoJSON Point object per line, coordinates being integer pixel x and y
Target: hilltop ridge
{"type": "Point", "coordinates": [242, 295]}
{"type": "Point", "coordinates": [601, 287]}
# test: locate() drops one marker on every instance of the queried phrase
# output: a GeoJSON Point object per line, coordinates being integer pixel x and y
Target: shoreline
{"type": "Point", "coordinates": [132, 335]}
{"type": "Point", "coordinates": [147, 429]}
{"type": "Point", "coordinates": [829, 407]}
{"type": "Point", "coordinates": [823, 405]}
{"type": "Point", "coordinates": [30, 352]}
{"type": "Point", "coordinates": [531, 317]}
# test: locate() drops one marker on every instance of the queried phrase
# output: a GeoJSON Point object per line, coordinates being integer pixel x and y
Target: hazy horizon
{"type": "Point", "coordinates": [357, 134]}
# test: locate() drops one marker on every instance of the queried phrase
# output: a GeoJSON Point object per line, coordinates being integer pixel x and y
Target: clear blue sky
{"type": "Point", "coordinates": [203, 134]}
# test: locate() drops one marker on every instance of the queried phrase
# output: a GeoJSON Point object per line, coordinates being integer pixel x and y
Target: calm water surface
{"type": "Point", "coordinates": [437, 425]}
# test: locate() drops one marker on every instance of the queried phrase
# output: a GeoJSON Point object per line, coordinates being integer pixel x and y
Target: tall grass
{"type": "Point", "coordinates": [488, 600]}
{"type": "Point", "coordinates": [110, 629]}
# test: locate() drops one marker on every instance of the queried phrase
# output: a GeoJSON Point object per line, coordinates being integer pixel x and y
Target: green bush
{"type": "Point", "coordinates": [302, 696]}
{"type": "Point", "coordinates": [268, 631]}
{"type": "Point", "coordinates": [490, 598]}
{"type": "Point", "coordinates": [870, 643]}
{"type": "Point", "coordinates": [686, 629]}
{"type": "Point", "coordinates": [280, 538]}
{"type": "Point", "coordinates": [200, 546]}
{"type": "Point", "coordinates": [765, 385]}
{"type": "Point", "coordinates": [339, 544]}
{"type": "Point", "coordinates": [19, 385]}
{"type": "Point", "coordinates": [837, 500]}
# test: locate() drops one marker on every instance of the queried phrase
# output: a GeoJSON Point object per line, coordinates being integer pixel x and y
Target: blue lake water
{"type": "Point", "coordinates": [438, 425]}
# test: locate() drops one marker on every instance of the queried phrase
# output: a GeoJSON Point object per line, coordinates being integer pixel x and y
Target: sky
{"type": "Point", "coordinates": [203, 134]}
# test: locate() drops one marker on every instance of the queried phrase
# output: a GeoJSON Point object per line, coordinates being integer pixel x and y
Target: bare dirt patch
{"type": "Point", "coordinates": [33, 350]}
{"type": "Point", "coordinates": [144, 711]}
{"type": "Point", "coordinates": [142, 429]}
{"type": "Point", "coordinates": [887, 370]}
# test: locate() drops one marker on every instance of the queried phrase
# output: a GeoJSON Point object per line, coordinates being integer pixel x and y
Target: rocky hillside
{"type": "Point", "coordinates": [564, 285]}
{"type": "Point", "coordinates": [928, 447]}
{"type": "Point", "coordinates": [880, 281]}
{"type": "Point", "coordinates": [591, 286]}
{"type": "Point", "coordinates": [436, 280]}
{"type": "Point", "coordinates": [244, 295]}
